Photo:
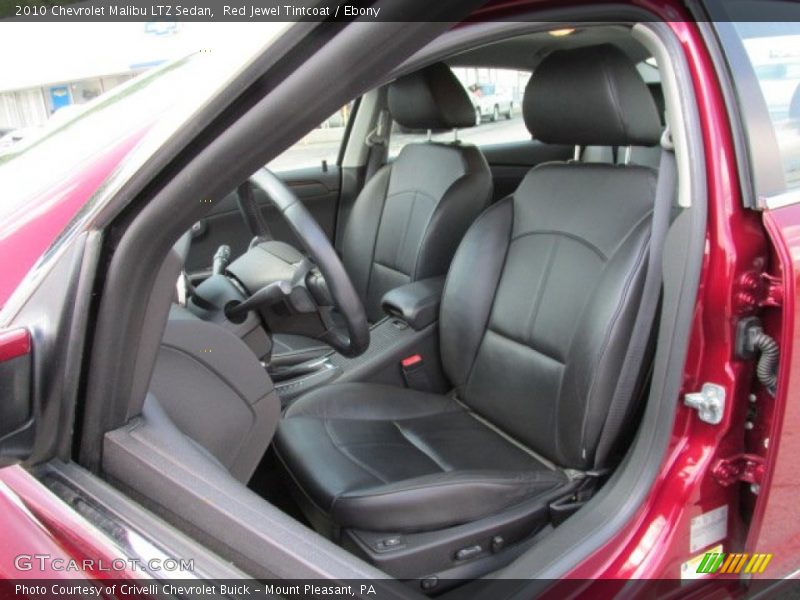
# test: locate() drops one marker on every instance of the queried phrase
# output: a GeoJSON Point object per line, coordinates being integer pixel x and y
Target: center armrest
{"type": "Point", "coordinates": [415, 303]}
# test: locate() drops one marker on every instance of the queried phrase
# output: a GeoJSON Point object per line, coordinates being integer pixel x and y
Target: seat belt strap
{"type": "Point", "coordinates": [629, 376]}
{"type": "Point", "coordinates": [378, 148]}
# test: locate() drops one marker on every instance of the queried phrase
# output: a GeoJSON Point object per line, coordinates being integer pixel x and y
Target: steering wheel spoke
{"type": "Point", "coordinates": [319, 282]}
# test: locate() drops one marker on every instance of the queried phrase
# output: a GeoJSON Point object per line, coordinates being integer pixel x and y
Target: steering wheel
{"type": "Point", "coordinates": [301, 291]}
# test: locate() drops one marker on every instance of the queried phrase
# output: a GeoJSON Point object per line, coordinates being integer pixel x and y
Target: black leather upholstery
{"type": "Point", "coordinates": [647, 156]}
{"type": "Point", "coordinates": [535, 320]}
{"type": "Point", "coordinates": [431, 98]}
{"type": "Point", "coordinates": [415, 303]}
{"type": "Point", "coordinates": [538, 351]}
{"type": "Point", "coordinates": [657, 92]}
{"type": "Point", "coordinates": [407, 222]}
{"type": "Point", "coordinates": [590, 96]}
{"type": "Point", "coordinates": [391, 459]}
{"type": "Point", "coordinates": [292, 349]}
{"type": "Point", "coordinates": [215, 391]}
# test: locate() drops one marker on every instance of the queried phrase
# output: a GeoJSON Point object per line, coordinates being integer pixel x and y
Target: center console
{"type": "Point", "coordinates": [409, 332]}
{"type": "Point", "coordinates": [391, 341]}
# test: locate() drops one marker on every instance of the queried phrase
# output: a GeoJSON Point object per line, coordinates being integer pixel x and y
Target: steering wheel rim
{"type": "Point", "coordinates": [319, 249]}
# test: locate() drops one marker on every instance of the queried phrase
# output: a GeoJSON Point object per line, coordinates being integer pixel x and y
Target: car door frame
{"type": "Point", "coordinates": [764, 191]}
{"type": "Point", "coordinates": [614, 507]}
{"type": "Point", "coordinates": [117, 316]}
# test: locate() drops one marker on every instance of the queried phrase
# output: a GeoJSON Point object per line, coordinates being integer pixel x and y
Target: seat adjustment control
{"type": "Point", "coordinates": [469, 552]}
{"type": "Point", "coordinates": [429, 583]}
{"type": "Point", "coordinates": [389, 543]}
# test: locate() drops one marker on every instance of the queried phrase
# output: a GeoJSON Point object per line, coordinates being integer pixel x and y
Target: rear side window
{"type": "Point", "coordinates": [496, 96]}
{"type": "Point", "coordinates": [773, 50]}
{"type": "Point", "coordinates": [320, 144]}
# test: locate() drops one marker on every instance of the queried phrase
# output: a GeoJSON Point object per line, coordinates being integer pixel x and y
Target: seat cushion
{"type": "Point", "coordinates": [384, 458]}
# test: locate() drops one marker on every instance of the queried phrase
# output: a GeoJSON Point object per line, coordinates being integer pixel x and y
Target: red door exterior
{"type": "Point", "coordinates": [776, 520]}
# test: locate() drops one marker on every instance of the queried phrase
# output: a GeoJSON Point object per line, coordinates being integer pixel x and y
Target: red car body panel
{"type": "Point", "coordinates": [14, 343]}
{"type": "Point", "coordinates": [775, 520]}
{"type": "Point", "coordinates": [27, 234]}
{"type": "Point", "coordinates": [34, 521]}
{"type": "Point", "coordinates": [656, 542]}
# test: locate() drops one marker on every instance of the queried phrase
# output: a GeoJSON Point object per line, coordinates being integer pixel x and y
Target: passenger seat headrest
{"type": "Point", "coordinates": [590, 96]}
{"type": "Point", "coordinates": [431, 98]}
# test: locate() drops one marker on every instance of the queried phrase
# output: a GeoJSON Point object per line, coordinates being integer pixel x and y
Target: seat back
{"type": "Point", "coordinates": [410, 217]}
{"type": "Point", "coordinates": [213, 388]}
{"type": "Point", "coordinates": [202, 378]}
{"type": "Point", "coordinates": [542, 294]}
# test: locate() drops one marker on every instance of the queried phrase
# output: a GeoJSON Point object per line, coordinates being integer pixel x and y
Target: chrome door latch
{"type": "Point", "coordinates": [709, 403]}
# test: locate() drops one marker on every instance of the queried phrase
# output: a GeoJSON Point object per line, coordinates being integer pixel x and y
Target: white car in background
{"type": "Point", "coordinates": [490, 101]}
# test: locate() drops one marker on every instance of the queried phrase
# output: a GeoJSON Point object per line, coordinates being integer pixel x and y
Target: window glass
{"type": "Point", "coordinates": [321, 143]}
{"type": "Point", "coordinates": [774, 52]}
{"type": "Point", "coordinates": [496, 96]}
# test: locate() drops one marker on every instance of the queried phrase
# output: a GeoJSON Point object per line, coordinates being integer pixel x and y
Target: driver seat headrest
{"type": "Point", "coordinates": [431, 98]}
{"type": "Point", "coordinates": [590, 96]}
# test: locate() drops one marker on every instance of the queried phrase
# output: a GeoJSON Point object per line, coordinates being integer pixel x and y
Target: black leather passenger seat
{"type": "Point", "coordinates": [535, 321]}
{"type": "Point", "coordinates": [647, 156]}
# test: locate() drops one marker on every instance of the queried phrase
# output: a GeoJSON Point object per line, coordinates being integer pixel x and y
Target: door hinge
{"type": "Point", "coordinates": [709, 403]}
{"type": "Point", "coordinates": [748, 468]}
{"type": "Point", "coordinates": [772, 294]}
{"type": "Point", "coordinates": [759, 289]}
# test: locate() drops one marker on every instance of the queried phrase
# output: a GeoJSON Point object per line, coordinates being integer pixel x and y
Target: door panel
{"type": "Point", "coordinates": [317, 189]}
{"type": "Point", "coordinates": [773, 437]}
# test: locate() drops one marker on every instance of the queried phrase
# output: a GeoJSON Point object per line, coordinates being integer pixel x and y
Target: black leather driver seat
{"type": "Point", "coordinates": [411, 215]}
{"type": "Point", "coordinates": [535, 320]}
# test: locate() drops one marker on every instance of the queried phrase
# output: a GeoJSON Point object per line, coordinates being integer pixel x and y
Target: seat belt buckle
{"type": "Point", "coordinates": [415, 374]}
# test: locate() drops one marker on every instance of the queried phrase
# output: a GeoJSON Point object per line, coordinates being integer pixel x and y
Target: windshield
{"type": "Point", "coordinates": [774, 53]}
{"type": "Point", "coordinates": [66, 111]}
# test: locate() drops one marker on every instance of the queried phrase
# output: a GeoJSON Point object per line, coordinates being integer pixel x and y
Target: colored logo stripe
{"type": "Point", "coordinates": [714, 562]}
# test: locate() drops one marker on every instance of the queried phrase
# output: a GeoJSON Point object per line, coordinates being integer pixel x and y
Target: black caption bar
{"type": "Point", "coordinates": [186, 10]}
{"type": "Point", "coordinates": [385, 589]}
{"type": "Point", "coordinates": [366, 10]}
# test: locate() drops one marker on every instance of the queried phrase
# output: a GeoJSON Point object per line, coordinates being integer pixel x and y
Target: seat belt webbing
{"type": "Point", "coordinates": [651, 293]}
{"type": "Point", "coordinates": [378, 148]}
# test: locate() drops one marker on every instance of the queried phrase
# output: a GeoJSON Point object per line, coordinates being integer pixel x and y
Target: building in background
{"type": "Point", "coordinates": [91, 58]}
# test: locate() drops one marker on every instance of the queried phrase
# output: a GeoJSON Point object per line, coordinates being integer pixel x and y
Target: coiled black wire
{"type": "Point", "coordinates": [767, 368]}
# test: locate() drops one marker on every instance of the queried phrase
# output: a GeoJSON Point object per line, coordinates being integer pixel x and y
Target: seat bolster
{"type": "Point", "coordinates": [385, 458]}
{"type": "Point", "coordinates": [368, 401]}
{"type": "Point", "coordinates": [462, 203]}
{"type": "Point", "coordinates": [467, 300]}
{"type": "Point", "coordinates": [361, 232]}
{"type": "Point", "coordinates": [321, 467]}
{"type": "Point", "coordinates": [440, 500]}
